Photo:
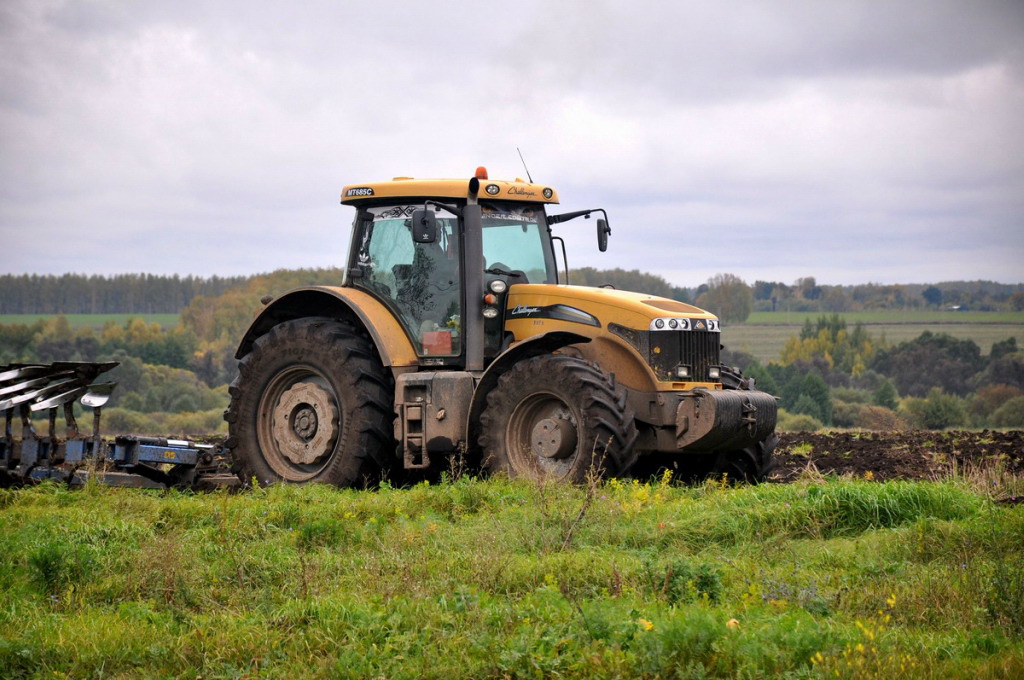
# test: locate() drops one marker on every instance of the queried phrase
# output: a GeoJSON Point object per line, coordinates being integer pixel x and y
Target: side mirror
{"type": "Point", "coordinates": [424, 226]}
{"type": "Point", "coordinates": [602, 234]}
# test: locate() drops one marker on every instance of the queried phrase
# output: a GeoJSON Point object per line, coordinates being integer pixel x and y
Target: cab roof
{"type": "Point", "coordinates": [407, 187]}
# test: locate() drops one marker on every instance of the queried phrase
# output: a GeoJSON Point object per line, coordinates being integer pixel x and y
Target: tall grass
{"type": "Point", "coordinates": [497, 578]}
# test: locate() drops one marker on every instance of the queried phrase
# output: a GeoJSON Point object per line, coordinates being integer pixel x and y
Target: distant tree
{"type": "Point", "coordinates": [886, 396]}
{"type": "Point", "coordinates": [728, 296]}
{"type": "Point", "coordinates": [814, 388]}
{"type": "Point", "coordinates": [763, 290]}
{"type": "Point", "coordinates": [988, 399]}
{"type": "Point", "coordinates": [937, 411]}
{"type": "Point", "coordinates": [680, 294]}
{"type": "Point", "coordinates": [932, 296]}
{"type": "Point", "coordinates": [1006, 370]}
{"type": "Point", "coordinates": [809, 407]}
{"type": "Point", "coordinates": [835, 300]}
{"type": "Point", "coordinates": [808, 288]}
{"type": "Point", "coordinates": [1003, 348]}
{"type": "Point", "coordinates": [739, 359]}
{"type": "Point", "coordinates": [623, 279]}
{"type": "Point", "coordinates": [828, 343]}
{"type": "Point", "coordinates": [763, 380]}
{"type": "Point", "coordinates": [931, 361]}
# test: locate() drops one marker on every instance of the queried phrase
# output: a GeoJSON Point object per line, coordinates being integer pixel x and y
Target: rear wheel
{"type": "Point", "coordinates": [557, 417]}
{"type": "Point", "coordinates": [312, 403]}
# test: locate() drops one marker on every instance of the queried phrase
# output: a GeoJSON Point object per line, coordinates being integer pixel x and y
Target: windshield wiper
{"type": "Point", "coordinates": [501, 272]}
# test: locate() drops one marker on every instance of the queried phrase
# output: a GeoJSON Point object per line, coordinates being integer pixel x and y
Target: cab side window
{"type": "Point", "coordinates": [420, 281]}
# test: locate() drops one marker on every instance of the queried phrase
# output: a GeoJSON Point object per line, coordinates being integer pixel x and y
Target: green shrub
{"type": "Point", "coordinates": [203, 422]}
{"type": "Point", "coordinates": [124, 421]}
{"type": "Point", "coordinates": [937, 411]}
{"type": "Point", "coordinates": [846, 414]}
{"type": "Point", "coordinates": [850, 395]}
{"type": "Point", "coordinates": [682, 581]}
{"type": "Point", "coordinates": [1010, 414]}
{"type": "Point", "coordinates": [988, 399]}
{"type": "Point", "coordinates": [57, 564]}
{"type": "Point", "coordinates": [879, 418]}
{"type": "Point", "coordinates": [790, 422]}
{"type": "Point", "coordinates": [320, 532]}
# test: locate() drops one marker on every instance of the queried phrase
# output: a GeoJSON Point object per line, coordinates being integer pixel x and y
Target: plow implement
{"type": "Point", "coordinates": [73, 457]}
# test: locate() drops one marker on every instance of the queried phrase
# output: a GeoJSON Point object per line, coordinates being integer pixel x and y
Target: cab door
{"type": "Point", "coordinates": [420, 282]}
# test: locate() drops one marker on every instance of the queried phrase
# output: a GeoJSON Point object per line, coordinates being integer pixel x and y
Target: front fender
{"type": "Point", "coordinates": [332, 301]}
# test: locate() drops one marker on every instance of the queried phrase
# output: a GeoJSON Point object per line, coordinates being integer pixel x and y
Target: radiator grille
{"type": "Point", "coordinates": [697, 349]}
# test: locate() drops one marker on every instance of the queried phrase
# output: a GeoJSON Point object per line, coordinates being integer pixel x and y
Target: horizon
{"type": "Point", "coordinates": [818, 281]}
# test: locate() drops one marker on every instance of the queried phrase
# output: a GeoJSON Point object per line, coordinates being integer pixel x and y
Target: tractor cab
{"type": "Point", "coordinates": [409, 252]}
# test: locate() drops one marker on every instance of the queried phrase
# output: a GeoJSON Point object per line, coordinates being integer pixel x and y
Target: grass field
{"type": "Point", "coordinates": [494, 579]}
{"type": "Point", "coordinates": [91, 320]}
{"type": "Point", "coordinates": [765, 333]}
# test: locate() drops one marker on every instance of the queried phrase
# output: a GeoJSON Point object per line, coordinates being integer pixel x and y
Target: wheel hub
{"type": "Point", "coordinates": [553, 438]}
{"type": "Point", "coordinates": [305, 422]}
{"type": "Point", "coordinates": [305, 425]}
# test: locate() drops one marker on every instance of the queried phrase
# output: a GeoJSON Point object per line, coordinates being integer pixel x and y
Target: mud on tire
{"type": "Point", "coordinates": [557, 417]}
{"type": "Point", "coordinates": [311, 403]}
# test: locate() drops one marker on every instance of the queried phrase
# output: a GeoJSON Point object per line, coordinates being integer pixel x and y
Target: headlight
{"type": "Point", "coordinates": [714, 373]}
{"type": "Point", "coordinates": [497, 286]}
{"type": "Point", "coordinates": [682, 371]}
{"type": "Point", "coordinates": [490, 312]}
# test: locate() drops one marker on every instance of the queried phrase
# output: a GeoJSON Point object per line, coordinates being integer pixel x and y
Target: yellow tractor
{"type": "Point", "coordinates": [454, 332]}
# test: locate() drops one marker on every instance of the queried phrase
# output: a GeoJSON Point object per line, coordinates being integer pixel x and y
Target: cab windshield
{"type": "Point", "coordinates": [515, 240]}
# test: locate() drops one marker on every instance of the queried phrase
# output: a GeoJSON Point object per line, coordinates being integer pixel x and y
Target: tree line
{"type": "Point", "coordinates": [116, 294]}
{"type": "Point", "coordinates": [732, 298]}
{"type": "Point", "coordinates": [807, 295]}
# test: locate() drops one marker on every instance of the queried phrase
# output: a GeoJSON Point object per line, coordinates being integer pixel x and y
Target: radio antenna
{"type": "Point", "coordinates": [524, 165]}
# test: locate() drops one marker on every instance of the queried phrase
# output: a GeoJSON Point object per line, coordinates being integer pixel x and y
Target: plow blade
{"type": "Point", "coordinates": [145, 462]}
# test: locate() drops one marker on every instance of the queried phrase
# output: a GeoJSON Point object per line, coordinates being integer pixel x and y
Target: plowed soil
{"type": "Point", "coordinates": [896, 455]}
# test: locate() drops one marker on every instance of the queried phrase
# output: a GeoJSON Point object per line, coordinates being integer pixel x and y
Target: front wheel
{"type": "Point", "coordinates": [312, 403]}
{"type": "Point", "coordinates": [751, 465]}
{"type": "Point", "coordinates": [557, 417]}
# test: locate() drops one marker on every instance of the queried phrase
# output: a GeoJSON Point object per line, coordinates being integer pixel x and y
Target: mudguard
{"type": "Point", "coordinates": [333, 301]}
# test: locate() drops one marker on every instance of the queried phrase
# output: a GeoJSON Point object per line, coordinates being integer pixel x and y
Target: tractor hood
{"type": "Point", "coordinates": [603, 306]}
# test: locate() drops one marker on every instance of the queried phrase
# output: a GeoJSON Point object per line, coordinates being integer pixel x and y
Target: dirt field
{"type": "Point", "coordinates": [897, 455]}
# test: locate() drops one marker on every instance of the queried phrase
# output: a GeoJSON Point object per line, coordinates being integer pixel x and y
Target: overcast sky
{"type": "Point", "coordinates": [849, 141]}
